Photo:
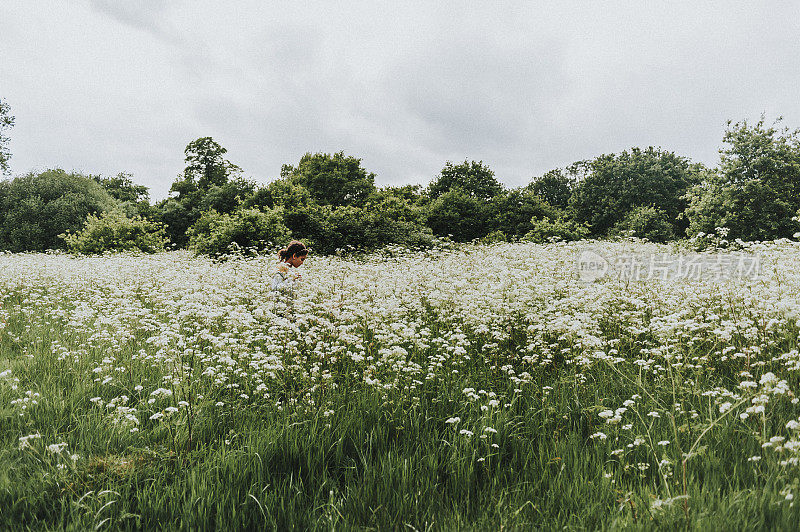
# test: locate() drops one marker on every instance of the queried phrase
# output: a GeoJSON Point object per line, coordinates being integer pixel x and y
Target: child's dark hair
{"type": "Point", "coordinates": [295, 248]}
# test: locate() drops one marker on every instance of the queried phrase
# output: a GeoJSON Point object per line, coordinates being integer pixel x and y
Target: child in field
{"type": "Point", "coordinates": [292, 256]}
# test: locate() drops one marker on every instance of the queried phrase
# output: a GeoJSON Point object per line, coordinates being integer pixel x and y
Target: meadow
{"type": "Point", "coordinates": [473, 387]}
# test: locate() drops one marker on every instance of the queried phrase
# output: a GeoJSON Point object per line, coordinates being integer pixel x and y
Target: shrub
{"type": "Point", "coordinates": [648, 222]}
{"type": "Point", "coordinates": [561, 228]}
{"type": "Point", "coordinates": [494, 237]}
{"type": "Point", "coordinates": [251, 231]}
{"type": "Point", "coordinates": [460, 215]}
{"type": "Point", "coordinates": [36, 208]}
{"type": "Point", "coordinates": [113, 231]}
{"type": "Point", "coordinates": [752, 210]}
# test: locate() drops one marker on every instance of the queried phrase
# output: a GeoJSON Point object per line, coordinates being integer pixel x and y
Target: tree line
{"type": "Point", "coordinates": [331, 202]}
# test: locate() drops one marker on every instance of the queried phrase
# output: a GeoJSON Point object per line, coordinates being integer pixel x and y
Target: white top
{"type": "Point", "coordinates": [284, 280]}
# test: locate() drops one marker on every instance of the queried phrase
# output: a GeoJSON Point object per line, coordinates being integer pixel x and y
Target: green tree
{"type": "Point", "coordinates": [513, 212]}
{"type": "Point", "coordinates": [475, 179]}
{"type": "Point", "coordinates": [123, 188]}
{"type": "Point", "coordinates": [618, 183]}
{"type": "Point", "coordinates": [37, 207]}
{"type": "Point", "coordinates": [206, 165]}
{"type": "Point", "coordinates": [177, 218]}
{"type": "Point", "coordinates": [135, 199]}
{"type": "Point", "coordinates": [208, 182]}
{"type": "Point", "coordinates": [555, 187]}
{"type": "Point", "coordinates": [459, 214]}
{"type": "Point", "coordinates": [765, 154]}
{"type": "Point", "coordinates": [227, 197]}
{"type": "Point", "coordinates": [388, 215]}
{"type": "Point", "coordinates": [756, 191]}
{"type": "Point", "coordinates": [393, 216]}
{"type": "Point", "coordinates": [304, 217]}
{"type": "Point", "coordinates": [413, 194]}
{"type": "Point", "coordinates": [332, 179]}
{"type": "Point", "coordinates": [184, 188]}
{"type": "Point", "coordinates": [6, 122]}
{"type": "Point", "coordinates": [751, 210]}
{"type": "Point", "coordinates": [647, 222]}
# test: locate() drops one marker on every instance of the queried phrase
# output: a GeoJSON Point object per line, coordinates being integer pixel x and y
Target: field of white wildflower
{"type": "Point", "coordinates": [481, 387]}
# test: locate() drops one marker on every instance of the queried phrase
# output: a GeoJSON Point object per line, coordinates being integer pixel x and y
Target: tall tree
{"type": "Point", "coordinates": [6, 122]}
{"type": "Point", "coordinates": [134, 199]}
{"type": "Point", "coordinates": [475, 179]}
{"type": "Point", "coordinates": [765, 154]}
{"type": "Point", "coordinates": [755, 193]}
{"type": "Point", "coordinates": [204, 184]}
{"type": "Point", "coordinates": [334, 180]}
{"type": "Point", "coordinates": [618, 183]}
{"type": "Point", "coordinates": [206, 164]}
{"type": "Point", "coordinates": [555, 187]}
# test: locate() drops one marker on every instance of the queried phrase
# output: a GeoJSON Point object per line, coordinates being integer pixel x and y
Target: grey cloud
{"type": "Point", "coordinates": [144, 15]}
{"type": "Point", "coordinates": [523, 87]}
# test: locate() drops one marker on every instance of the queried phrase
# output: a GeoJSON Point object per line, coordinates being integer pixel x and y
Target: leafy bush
{"type": "Point", "coordinates": [37, 207]}
{"type": "Point", "coordinates": [367, 229]}
{"type": "Point", "coordinates": [560, 228]}
{"type": "Point", "coordinates": [393, 218]}
{"type": "Point", "coordinates": [648, 222]}
{"type": "Point", "coordinates": [250, 231]}
{"type": "Point", "coordinates": [514, 211]}
{"type": "Point", "coordinates": [113, 231]}
{"type": "Point", "coordinates": [461, 215]}
{"type": "Point", "coordinates": [494, 237]}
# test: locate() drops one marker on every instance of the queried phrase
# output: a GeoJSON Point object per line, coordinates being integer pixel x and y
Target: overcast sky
{"type": "Point", "coordinates": [123, 86]}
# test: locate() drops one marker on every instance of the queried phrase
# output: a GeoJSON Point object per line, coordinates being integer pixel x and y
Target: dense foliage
{"type": "Point", "coordinates": [114, 231]}
{"type": "Point", "coordinates": [133, 199]}
{"type": "Point", "coordinates": [37, 207]}
{"type": "Point", "coordinates": [475, 180]}
{"type": "Point", "coordinates": [755, 193]}
{"type": "Point", "coordinates": [561, 228]}
{"type": "Point", "coordinates": [330, 201]}
{"type": "Point", "coordinates": [209, 182]}
{"type": "Point", "coordinates": [618, 183]}
{"type": "Point", "coordinates": [247, 230]}
{"type": "Point", "coordinates": [335, 180]}
{"type": "Point", "coordinates": [648, 222]}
